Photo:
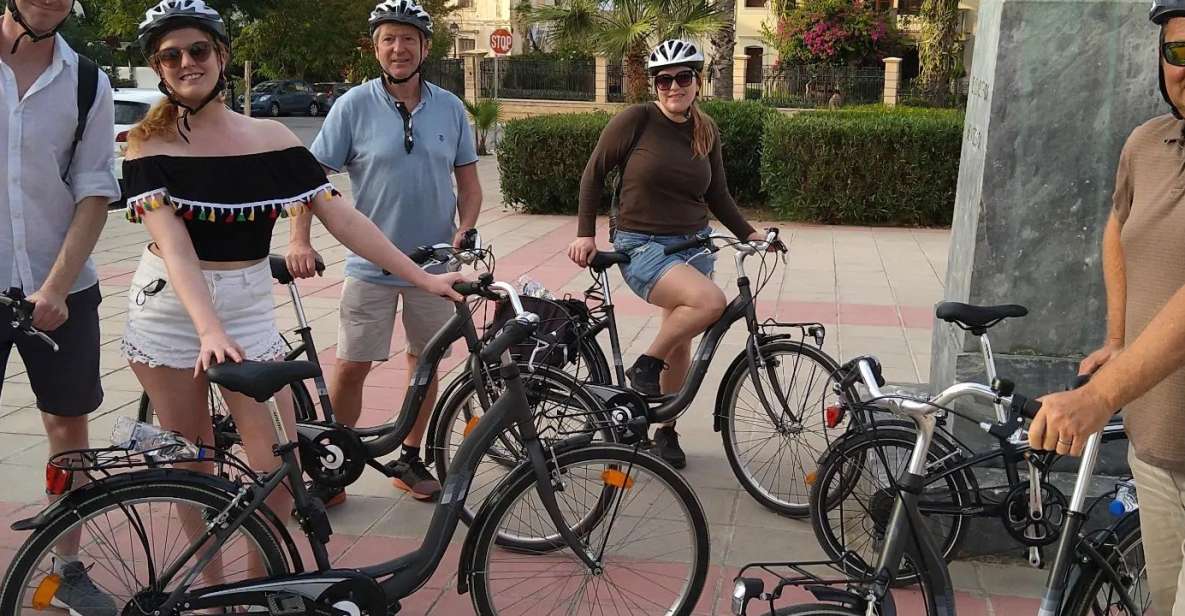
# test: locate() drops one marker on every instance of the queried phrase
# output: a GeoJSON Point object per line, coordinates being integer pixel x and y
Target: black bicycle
{"type": "Point", "coordinates": [22, 316]}
{"type": "Point", "coordinates": [591, 528]}
{"type": "Point", "coordinates": [854, 487]}
{"type": "Point", "coordinates": [1092, 573]}
{"type": "Point", "coordinates": [770, 405]}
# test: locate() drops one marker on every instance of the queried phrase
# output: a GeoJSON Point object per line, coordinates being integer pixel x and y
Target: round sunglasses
{"type": "Point", "coordinates": [683, 78]}
{"type": "Point", "coordinates": [170, 57]}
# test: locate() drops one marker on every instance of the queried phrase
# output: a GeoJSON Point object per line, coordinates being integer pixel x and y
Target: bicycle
{"type": "Point", "coordinates": [853, 489]}
{"type": "Point", "coordinates": [597, 534]}
{"type": "Point", "coordinates": [1095, 567]}
{"type": "Point", "coordinates": [22, 316]}
{"type": "Point", "coordinates": [770, 431]}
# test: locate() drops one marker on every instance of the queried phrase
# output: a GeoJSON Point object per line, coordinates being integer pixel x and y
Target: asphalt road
{"type": "Point", "coordinates": [304, 127]}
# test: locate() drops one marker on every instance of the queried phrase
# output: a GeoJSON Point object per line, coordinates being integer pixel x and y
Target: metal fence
{"type": "Point", "coordinates": [954, 95]}
{"type": "Point", "coordinates": [538, 78]}
{"type": "Point", "coordinates": [808, 86]}
{"type": "Point", "coordinates": [447, 73]}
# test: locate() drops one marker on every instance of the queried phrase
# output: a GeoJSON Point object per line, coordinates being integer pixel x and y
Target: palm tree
{"type": "Point", "coordinates": [485, 114]}
{"type": "Point", "coordinates": [723, 43]}
{"type": "Point", "coordinates": [939, 48]}
{"type": "Point", "coordinates": [627, 29]}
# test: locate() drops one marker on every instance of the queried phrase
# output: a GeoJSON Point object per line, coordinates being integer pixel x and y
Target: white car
{"type": "Point", "coordinates": [131, 105]}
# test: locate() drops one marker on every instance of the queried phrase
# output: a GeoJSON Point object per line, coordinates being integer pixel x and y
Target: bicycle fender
{"type": "Point", "coordinates": [738, 363]}
{"type": "Point", "coordinates": [70, 501]}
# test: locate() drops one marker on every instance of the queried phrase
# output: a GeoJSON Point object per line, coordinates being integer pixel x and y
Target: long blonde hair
{"type": "Point", "coordinates": [703, 137]}
{"type": "Point", "coordinates": [161, 119]}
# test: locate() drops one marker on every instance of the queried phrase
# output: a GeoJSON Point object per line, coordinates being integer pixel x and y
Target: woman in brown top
{"type": "Point", "coordinates": [1139, 368]}
{"type": "Point", "coordinates": [672, 176]}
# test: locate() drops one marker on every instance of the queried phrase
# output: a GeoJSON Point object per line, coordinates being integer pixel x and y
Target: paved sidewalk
{"type": "Point", "coordinates": [873, 288]}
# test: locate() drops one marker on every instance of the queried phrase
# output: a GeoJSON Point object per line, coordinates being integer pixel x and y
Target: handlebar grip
{"type": "Point", "coordinates": [684, 245]}
{"type": "Point", "coordinates": [420, 255]}
{"type": "Point", "coordinates": [469, 240]}
{"type": "Point", "coordinates": [1026, 407]}
{"type": "Point", "coordinates": [468, 288]}
{"type": "Point", "coordinates": [319, 264]}
{"type": "Point", "coordinates": [515, 332]}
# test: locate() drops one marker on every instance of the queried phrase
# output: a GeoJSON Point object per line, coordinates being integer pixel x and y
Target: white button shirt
{"type": "Point", "coordinates": [36, 206]}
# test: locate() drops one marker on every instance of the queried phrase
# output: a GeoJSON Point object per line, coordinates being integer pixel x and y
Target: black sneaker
{"type": "Point", "coordinates": [413, 477]}
{"type": "Point", "coordinates": [79, 596]}
{"type": "Point", "coordinates": [332, 497]}
{"type": "Point", "coordinates": [644, 375]}
{"type": "Point", "coordinates": [666, 445]}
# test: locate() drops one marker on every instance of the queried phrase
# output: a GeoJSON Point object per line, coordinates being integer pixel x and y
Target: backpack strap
{"type": "Point", "coordinates": [88, 90]}
{"type": "Point", "coordinates": [615, 202]}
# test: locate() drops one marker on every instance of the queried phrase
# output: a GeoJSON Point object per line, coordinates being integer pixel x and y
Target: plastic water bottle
{"type": "Point", "coordinates": [533, 288]}
{"type": "Point", "coordinates": [1125, 499]}
{"type": "Point", "coordinates": [141, 437]}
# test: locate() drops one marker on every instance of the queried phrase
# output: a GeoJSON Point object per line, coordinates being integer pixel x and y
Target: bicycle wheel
{"type": "Point", "coordinates": [131, 533]}
{"type": "Point", "coordinates": [647, 532]}
{"type": "Point", "coordinates": [819, 609]}
{"type": "Point", "coordinates": [853, 498]}
{"type": "Point", "coordinates": [772, 451]}
{"type": "Point", "coordinates": [561, 408]}
{"type": "Point", "coordinates": [1096, 594]}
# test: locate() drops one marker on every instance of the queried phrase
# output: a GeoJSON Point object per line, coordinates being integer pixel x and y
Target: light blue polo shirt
{"type": "Point", "coordinates": [409, 196]}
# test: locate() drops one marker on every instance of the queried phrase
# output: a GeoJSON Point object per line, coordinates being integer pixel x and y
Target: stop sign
{"type": "Point", "coordinates": [501, 40]}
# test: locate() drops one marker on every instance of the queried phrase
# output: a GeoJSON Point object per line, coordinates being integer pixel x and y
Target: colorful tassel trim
{"type": "Point", "coordinates": [226, 213]}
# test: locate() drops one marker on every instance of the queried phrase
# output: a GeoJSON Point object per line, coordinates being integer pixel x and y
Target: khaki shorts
{"type": "Point", "coordinates": [367, 319]}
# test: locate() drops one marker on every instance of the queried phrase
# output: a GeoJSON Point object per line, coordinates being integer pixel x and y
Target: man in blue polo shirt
{"type": "Point", "coordinates": [402, 140]}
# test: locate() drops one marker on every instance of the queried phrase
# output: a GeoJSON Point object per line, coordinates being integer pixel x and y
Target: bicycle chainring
{"type": "Point", "coordinates": [334, 458]}
{"type": "Point", "coordinates": [1014, 513]}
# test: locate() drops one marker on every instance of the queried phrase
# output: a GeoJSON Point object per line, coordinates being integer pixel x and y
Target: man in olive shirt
{"type": "Point", "coordinates": [1140, 366]}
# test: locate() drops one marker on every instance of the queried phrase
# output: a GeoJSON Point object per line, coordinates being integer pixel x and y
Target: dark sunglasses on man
{"type": "Point", "coordinates": [683, 78]}
{"type": "Point", "coordinates": [170, 57]}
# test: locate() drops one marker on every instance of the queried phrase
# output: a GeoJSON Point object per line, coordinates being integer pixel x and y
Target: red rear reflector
{"type": "Point", "coordinates": [833, 415]}
{"type": "Point", "coordinates": [57, 480]}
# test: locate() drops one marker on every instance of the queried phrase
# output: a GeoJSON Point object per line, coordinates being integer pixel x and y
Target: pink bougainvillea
{"type": "Point", "coordinates": [833, 32]}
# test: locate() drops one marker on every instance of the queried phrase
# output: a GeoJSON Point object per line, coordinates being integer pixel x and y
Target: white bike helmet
{"type": "Point", "coordinates": [174, 14]}
{"type": "Point", "coordinates": [401, 12]}
{"type": "Point", "coordinates": [675, 52]}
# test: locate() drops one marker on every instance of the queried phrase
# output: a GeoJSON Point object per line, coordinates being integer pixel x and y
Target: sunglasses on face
{"type": "Point", "coordinates": [1173, 53]}
{"type": "Point", "coordinates": [683, 78]}
{"type": "Point", "coordinates": [170, 57]}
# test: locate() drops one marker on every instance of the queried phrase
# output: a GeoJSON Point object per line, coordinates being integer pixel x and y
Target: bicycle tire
{"type": "Point", "coordinates": [451, 417]}
{"type": "Point", "coordinates": [835, 493]}
{"type": "Point", "coordinates": [763, 477]}
{"type": "Point", "coordinates": [1083, 596]}
{"type": "Point", "coordinates": [117, 501]}
{"type": "Point", "coordinates": [619, 471]}
{"type": "Point", "coordinates": [814, 609]}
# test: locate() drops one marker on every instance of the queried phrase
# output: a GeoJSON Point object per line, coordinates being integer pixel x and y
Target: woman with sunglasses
{"type": "Point", "coordinates": [1139, 369]}
{"type": "Point", "coordinates": [209, 185]}
{"type": "Point", "coordinates": [672, 174]}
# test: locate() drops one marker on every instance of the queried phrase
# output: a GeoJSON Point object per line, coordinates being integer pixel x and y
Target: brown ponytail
{"type": "Point", "coordinates": [161, 121]}
{"type": "Point", "coordinates": [703, 137]}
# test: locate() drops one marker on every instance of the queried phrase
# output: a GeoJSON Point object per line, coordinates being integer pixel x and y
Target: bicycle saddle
{"type": "Point", "coordinates": [968, 316]}
{"type": "Point", "coordinates": [261, 379]}
{"type": "Point", "coordinates": [280, 268]}
{"type": "Point", "coordinates": [604, 260]}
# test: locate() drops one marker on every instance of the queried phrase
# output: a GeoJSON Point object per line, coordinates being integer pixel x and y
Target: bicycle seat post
{"type": "Point", "coordinates": [989, 364]}
{"type": "Point", "coordinates": [294, 293]}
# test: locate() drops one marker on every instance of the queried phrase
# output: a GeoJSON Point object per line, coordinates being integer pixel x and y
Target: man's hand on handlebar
{"type": "Point", "coordinates": [49, 309]}
{"type": "Point", "coordinates": [1067, 419]}
{"type": "Point", "coordinates": [442, 285]}
{"type": "Point", "coordinates": [581, 250]}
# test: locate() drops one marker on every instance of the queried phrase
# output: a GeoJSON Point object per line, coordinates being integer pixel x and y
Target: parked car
{"type": "Point", "coordinates": [131, 105]}
{"type": "Point", "coordinates": [327, 93]}
{"type": "Point", "coordinates": [281, 96]}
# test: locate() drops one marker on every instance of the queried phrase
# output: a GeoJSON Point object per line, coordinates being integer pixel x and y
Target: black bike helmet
{"type": "Point", "coordinates": [1161, 12]}
{"type": "Point", "coordinates": [28, 32]}
{"type": "Point", "coordinates": [172, 15]}
{"type": "Point", "coordinates": [401, 12]}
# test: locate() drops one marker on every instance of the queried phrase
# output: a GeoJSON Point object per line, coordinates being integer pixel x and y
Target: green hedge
{"type": "Point", "coordinates": [863, 166]}
{"type": "Point", "coordinates": [859, 165]}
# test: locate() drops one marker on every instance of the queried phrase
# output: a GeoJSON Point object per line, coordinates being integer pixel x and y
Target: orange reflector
{"type": "Point", "coordinates": [811, 477]}
{"type": "Point", "coordinates": [46, 590]}
{"type": "Point", "coordinates": [833, 415]}
{"type": "Point", "coordinates": [470, 425]}
{"type": "Point", "coordinates": [616, 478]}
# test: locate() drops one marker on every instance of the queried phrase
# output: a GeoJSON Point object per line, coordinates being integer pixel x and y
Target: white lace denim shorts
{"type": "Point", "coordinates": [160, 332]}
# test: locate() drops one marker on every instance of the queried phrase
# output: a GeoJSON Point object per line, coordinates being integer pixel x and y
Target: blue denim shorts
{"type": "Point", "coordinates": [648, 263]}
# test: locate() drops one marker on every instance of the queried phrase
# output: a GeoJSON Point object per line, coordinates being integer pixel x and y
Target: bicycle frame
{"type": "Point", "coordinates": [307, 348]}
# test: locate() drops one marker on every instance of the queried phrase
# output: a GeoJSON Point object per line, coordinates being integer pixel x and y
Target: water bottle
{"type": "Point", "coordinates": [140, 437]}
{"type": "Point", "coordinates": [1125, 499]}
{"type": "Point", "coordinates": [533, 288]}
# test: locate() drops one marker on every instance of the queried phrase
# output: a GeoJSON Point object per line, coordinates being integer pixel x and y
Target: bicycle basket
{"type": "Point", "coordinates": [554, 342]}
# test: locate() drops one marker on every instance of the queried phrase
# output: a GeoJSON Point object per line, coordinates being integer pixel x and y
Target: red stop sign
{"type": "Point", "coordinates": [501, 41]}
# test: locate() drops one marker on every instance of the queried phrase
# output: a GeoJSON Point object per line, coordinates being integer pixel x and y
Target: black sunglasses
{"type": "Point", "coordinates": [409, 140]}
{"type": "Point", "coordinates": [1173, 53]}
{"type": "Point", "coordinates": [170, 57]}
{"type": "Point", "coordinates": [683, 78]}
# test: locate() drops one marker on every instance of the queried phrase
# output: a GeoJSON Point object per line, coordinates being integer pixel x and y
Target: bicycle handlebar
{"type": "Point", "coordinates": [749, 247]}
{"type": "Point", "coordinates": [516, 331]}
{"type": "Point", "coordinates": [22, 316]}
{"type": "Point", "coordinates": [466, 253]}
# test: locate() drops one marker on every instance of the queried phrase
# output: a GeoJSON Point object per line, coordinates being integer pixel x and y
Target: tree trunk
{"type": "Point", "coordinates": [724, 43]}
{"type": "Point", "coordinates": [637, 82]}
{"type": "Point", "coordinates": [939, 49]}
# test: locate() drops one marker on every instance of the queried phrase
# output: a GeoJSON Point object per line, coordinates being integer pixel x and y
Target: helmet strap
{"type": "Point", "coordinates": [28, 31]}
{"type": "Point", "coordinates": [186, 110]}
{"type": "Point", "coordinates": [393, 80]}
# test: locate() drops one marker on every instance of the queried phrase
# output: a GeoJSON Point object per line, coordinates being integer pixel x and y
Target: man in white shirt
{"type": "Point", "coordinates": [52, 208]}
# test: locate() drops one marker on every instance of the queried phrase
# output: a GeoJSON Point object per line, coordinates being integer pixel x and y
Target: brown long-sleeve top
{"type": "Point", "coordinates": [664, 190]}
